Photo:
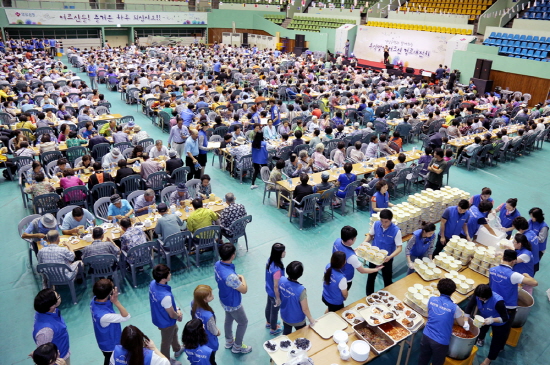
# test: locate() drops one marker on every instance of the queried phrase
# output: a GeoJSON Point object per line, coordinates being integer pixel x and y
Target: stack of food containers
{"type": "Point", "coordinates": [484, 259]}
{"type": "Point", "coordinates": [427, 269]}
{"type": "Point", "coordinates": [463, 284]}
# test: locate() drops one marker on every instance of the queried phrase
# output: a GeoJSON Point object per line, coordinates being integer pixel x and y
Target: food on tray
{"type": "Point", "coordinates": [285, 344]}
{"type": "Point", "coordinates": [408, 313]}
{"type": "Point", "coordinates": [395, 332]}
{"type": "Point", "coordinates": [270, 346]}
{"type": "Point", "coordinates": [357, 321]}
{"type": "Point", "coordinates": [412, 315]}
{"type": "Point", "coordinates": [361, 306]}
{"type": "Point", "coordinates": [459, 331]}
{"type": "Point", "coordinates": [383, 294]}
{"type": "Point", "coordinates": [388, 315]}
{"type": "Point", "coordinates": [350, 315]}
{"type": "Point", "coordinates": [377, 310]}
{"type": "Point", "coordinates": [399, 306]}
{"type": "Point", "coordinates": [375, 296]}
{"type": "Point", "coordinates": [375, 320]}
{"type": "Point", "coordinates": [407, 323]}
{"type": "Point", "coordinates": [370, 300]}
{"type": "Point", "coordinates": [379, 343]}
{"type": "Point", "coordinates": [302, 343]}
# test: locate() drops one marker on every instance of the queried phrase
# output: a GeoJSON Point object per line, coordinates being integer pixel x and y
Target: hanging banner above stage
{"type": "Point", "coordinates": [97, 17]}
{"type": "Point", "coordinates": [417, 49]}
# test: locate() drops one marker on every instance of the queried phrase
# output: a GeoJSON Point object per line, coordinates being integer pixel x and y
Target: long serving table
{"type": "Point", "coordinates": [326, 352]}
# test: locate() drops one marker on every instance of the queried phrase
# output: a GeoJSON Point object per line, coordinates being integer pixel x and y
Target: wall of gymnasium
{"type": "Point", "coordinates": [465, 61]}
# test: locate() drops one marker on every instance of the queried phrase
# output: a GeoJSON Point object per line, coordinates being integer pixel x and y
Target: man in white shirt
{"type": "Point", "coordinates": [158, 150]}
{"type": "Point", "coordinates": [386, 236]}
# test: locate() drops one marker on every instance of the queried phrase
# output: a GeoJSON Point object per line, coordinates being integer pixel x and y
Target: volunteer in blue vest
{"type": "Point", "coordinates": [381, 199]}
{"type": "Point", "coordinates": [348, 235]}
{"type": "Point", "coordinates": [195, 341]}
{"type": "Point", "coordinates": [507, 212]}
{"type": "Point", "coordinates": [138, 347]}
{"type": "Point", "coordinates": [420, 245]}
{"type": "Point", "coordinates": [203, 144]}
{"type": "Point", "coordinates": [478, 218]}
{"type": "Point", "coordinates": [540, 227]}
{"type": "Point", "coordinates": [525, 262]}
{"type": "Point", "coordinates": [165, 312]}
{"type": "Point", "coordinates": [49, 326]}
{"type": "Point", "coordinates": [484, 196]}
{"type": "Point", "coordinates": [200, 308]}
{"type": "Point", "coordinates": [274, 270]}
{"type": "Point", "coordinates": [386, 236]}
{"type": "Point", "coordinates": [92, 72]}
{"type": "Point", "coordinates": [504, 281]}
{"type": "Point", "coordinates": [492, 308]}
{"type": "Point", "coordinates": [294, 307]}
{"type": "Point", "coordinates": [335, 285]}
{"type": "Point", "coordinates": [274, 112]}
{"type": "Point", "coordinates": [53, 47]}
{"type": "Point", "coordinates": [442, 314]}
{"type": "Point", "coordinates": [106, 321]}
{"type": "Point", "coordinates": [522, 226]}
{"type": "Point", "coordinates": [453, 221]}
{"type": "Point", "coordinates": [231, 287]}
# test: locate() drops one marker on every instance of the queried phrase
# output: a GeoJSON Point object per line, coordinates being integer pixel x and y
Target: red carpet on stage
{"type": "Point", "coordinates": [377, 65]}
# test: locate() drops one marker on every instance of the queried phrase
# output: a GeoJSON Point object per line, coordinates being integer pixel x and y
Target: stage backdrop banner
{"type": "Point", "coordinates": [97, 17]}
{"type": "Point", "coordinates": [409, 48]}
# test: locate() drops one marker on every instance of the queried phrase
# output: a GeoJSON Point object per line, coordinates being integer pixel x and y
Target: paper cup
{"type": "Point", "coordinates": [479, 321]}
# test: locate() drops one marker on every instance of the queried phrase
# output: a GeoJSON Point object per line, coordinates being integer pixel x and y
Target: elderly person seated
{"type": "Point", "coordinates": [304, 163]}
{"type": "Point", "coordinates": [101, 245]}
{"type": "Point", "coordinates": [324, 184]}
{"type": "Point", "coordinates": [79, 218]}
{"type": "Point", "coordinates": [168, 223]}
{"type": "Point", "coordinates": [40, 187]}
{"type": "Point", "coordinates": [180, 194]}
{"type": "Point", "coordinates": [340, 154]}
{"type": "Point", "coordinates": [158, 150]}
{"type": "Point", "coordinates": [38, 228]}
{"type": "Point", "coordinates": [144, 201]}
{"type": "Point", "coordinates": [112, 158]}
{"type": "Point", "coordinates": [132, 236]}
{"type": "Point", "coordinates": [356, 155]}
{"type": "Point", "coordinates": [119, 208]}
{"type": "Point", "coordinates": [320, 162]}
{"type": "Point", "coordinates": [57, 253]}
{"type": "Point", "coordinates": [200, 217]}
{"type": "Point", "coordinates": [230, 214]}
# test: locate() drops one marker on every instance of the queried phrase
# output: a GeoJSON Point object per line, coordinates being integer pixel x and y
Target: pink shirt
{"type": "Point", "coordinates": [70, 181]}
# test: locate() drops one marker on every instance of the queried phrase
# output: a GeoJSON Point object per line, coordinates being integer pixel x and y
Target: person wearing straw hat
{"type": "Point", "coordinates": [38, 228]}
{"type": "Point", "coordinates": [111, 158]}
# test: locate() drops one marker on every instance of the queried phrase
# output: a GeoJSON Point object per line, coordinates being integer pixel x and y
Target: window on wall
{"type": "Point", "coordinates": [169, 32]}
{"type": "Point", "coordinates": [71, 33]}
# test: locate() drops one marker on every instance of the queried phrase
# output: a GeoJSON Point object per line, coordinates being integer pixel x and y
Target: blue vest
{"type": "Point", "coordinates": [454, 223]}
{"type": "Point", "coordinates": [228, 296]}
{"type": "Point", "coordinates": [200, 355]}
{"type": "Point", "coordinates": [473, 226]}
{"type": "Point", "coordinates": [121, 353]}
{"type": "Point", "coordinates": [477, 199]}
{"type": "Point", "coordinates": [382, 201]}
{"type": "Point", "coordinates": [506, 219]}
{"type": "Point", "coordinates": [205, 316]}
{"type": "Point", "coordinates": [269, 278]}
{"type": "Point", "coordinates": [332, 292]}
{"type": "Point", "coordinates": [204, 142]}
{"type": "Point", "coordinates": [160, 316]}
{"type": "Point", "coordinates": [421, 244]}
{"type": "Point", "coordinates": [499, 280]}
{"type": "Point", "coordinates": [534, 241]}
{"type": "Point", "coordinates": [385, 240]}
{"type": "Point", "coordinates": [525, 267]}
{"type": "Point", "coordinates": [107, 337]}
{"type": "Point", "coordinates": [348, 270]}
{"type": "Point", "coordinates": [260, 155]}
{"type": "Point", "coordinates": [57, 324]}
{"type": "Point", "coordinates": [536, 227]}
{"type": "Point", "coordinates": [291, 310]}
{"type": "Point", "coordinates": [487, 310]}
{"type": "Point", "coordinates": [441, 317]}
{"type": "Point", "coordinates": [274, 111]}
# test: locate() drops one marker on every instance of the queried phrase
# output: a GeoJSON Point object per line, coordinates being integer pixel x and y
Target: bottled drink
{"type": "Point", "coordinates": [149, 210]}
{"type": "Point", "coordinates": [43, 242]}
{"type": "Point", "coordinates": [178, 205]}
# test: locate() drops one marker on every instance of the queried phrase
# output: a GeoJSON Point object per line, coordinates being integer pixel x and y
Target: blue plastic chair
{"type": "Point", "coordinates": [138, 256]}
{"type": "Point", "coordinates": [60, 274]}
{"type": "Point", "coordinates": [530, 53]}
{"type": "Point", "coordinates": [104, 266]}
{"type": "Point", "coordinates": [523, 37]}
{"type": "Point", "coordinates": [529, 38]}
{"type": "Point", "coordinates": [175, 245]}
{"type": "Point", "coordinates": [536, 39]}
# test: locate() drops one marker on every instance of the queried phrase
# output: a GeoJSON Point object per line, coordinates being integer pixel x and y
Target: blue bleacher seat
{"type": "Point", "coordinates": [537, 54]}
{"type": "Point", "coordinates": [518, 56]}
{"type": "Point", "coordinates": [543, 47]}
{"type": "Point", "coordinates": [529, 38]}
{"type": "Point", "coordinates": [530, 45]}
{"type": "Point", "coordinates": [523, 45]}
{"type": "Point", "coordinates": [531, 58]}
{"type": "Point", "coordinates": [493, 34]}
{"type": "Point", "coordinates": [536, 39]}
{"type": "Point", "coordinates": [542, 40]}
{"type": "Point", "coordinates": [503, 50]}
{"type": "Point", "coordinates": [537, 46]}
{"type": "Point", "coordinates": [522, 37]}
{"type": "Point", "coordinates": [523, 52]}
{"type": "Point", "coordinates": [510, 37]}
{"type": "Point", "coordinates": [498, 42]}
{"type": "Point", "coordinates": [524, 58]}
{"type": "Point", "coordinates": [530, 53]}
{"type": "Point", "coordinates": [504, 42]}
{"type": "Point", "coordinates": [499, 35]}
{"type": "Point", "coordinates": [543, 54]}
{"type": "Point", "coordinates": [516, 37]}
{"type": "Point", "coordinates": [538, 16]}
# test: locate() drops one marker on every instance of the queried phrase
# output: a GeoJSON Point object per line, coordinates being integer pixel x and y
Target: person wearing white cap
{"type": "Point", "coordinates": [111, 158]}
{"type": "Point", "coordinates": [38, 228]}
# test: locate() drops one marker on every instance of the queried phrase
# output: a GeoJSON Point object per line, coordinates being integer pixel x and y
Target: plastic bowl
{"type": "Point", "coordinates": [360, 350]}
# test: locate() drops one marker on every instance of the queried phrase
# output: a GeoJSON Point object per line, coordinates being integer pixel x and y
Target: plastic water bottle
{"type": "Point", "coordinates": [149, 210]}
{"type": "Point", "coordinates": [43, 242]}
{"type": "Point", "coordinates": [186, 209]}
{"type": "Point", "coordinates": [178, 205]}
{"type": "Point", "coordinates": [289, 181]}
{"type": "Point", "coordinates": [114, 222]}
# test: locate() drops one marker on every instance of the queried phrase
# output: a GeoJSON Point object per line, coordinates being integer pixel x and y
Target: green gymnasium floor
{"type": "Point", "coordinates": [524, 179]}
